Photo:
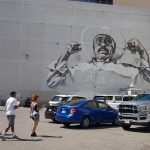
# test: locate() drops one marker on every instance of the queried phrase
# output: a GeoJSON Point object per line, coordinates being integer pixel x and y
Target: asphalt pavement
{"type": "Point", "coordinates": [54, 136]}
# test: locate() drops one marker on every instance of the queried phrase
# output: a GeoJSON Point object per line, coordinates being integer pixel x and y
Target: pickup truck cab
{"type": "Point", "coordinates": [115, 104]}
{"type": "Point", "coordinates": [135, 112]}
{"type": "Point", "coordinates": [114, 100]}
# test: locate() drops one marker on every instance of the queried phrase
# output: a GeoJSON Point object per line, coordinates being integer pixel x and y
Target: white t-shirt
{"type": "Point", "coordinates": [10, 104]}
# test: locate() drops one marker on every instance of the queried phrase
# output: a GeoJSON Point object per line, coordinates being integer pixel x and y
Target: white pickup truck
{"type": "Point", "coordinates": [136, 112]}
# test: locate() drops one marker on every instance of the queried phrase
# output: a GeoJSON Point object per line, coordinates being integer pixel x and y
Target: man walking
{"type": "Point", "coordinates": [11, 105]}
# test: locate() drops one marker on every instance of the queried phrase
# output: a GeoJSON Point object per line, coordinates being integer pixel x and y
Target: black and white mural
{"type": "Point", "coordinates": [60, 46]}
{"type": "Point", "coordinates": [112, 67]}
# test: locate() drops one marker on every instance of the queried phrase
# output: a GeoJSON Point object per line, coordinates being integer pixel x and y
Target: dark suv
{"type": "Point", "coordinates": [27, 102]}
{"type": "Point", "coordinates": [51, 110]}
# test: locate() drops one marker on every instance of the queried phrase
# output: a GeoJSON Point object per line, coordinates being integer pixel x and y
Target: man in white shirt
{"type": "Point", "coordinates": [11, 105]}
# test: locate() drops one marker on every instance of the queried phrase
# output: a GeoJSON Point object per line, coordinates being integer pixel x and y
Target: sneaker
{"type": "Point", "coordinates": [15, 137]}
{"type": "Point", "coordinates": [34, 134]}
{"type": "Point", "coordinates": [3, 138]}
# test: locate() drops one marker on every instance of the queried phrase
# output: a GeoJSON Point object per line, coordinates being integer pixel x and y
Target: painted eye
{"type": "Point", "coordinates": [108, 41]}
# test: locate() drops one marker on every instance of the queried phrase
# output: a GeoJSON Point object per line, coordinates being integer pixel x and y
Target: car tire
{"type": "Point", "coordinates": [66, 124]}
{"type": "Point", "coordinates": [86, 122]}
{"type": "Point", "coordinates": [54, 120]}
{"type": "Point", "coordinates": [116, 122]}
{"type": "Point", "coordinates": [126, 126]}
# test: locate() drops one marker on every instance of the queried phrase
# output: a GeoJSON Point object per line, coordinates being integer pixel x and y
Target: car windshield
{"type": "Point", "coordinates": [74, 103]}
{"type": "Point", "coordinates": [77, 98]}
{"type": "Point", "coordinates": [142, 97]}
{"type": "Point", "coordinates": [61, 103]}
{"type": "Point", "coordinates": [128, 98]}
{"type": "Point", "coordinates": [59, 98]}
{"type": "Point", "coordinates": [99, 98]}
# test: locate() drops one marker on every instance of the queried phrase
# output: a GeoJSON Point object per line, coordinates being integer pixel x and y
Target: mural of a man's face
{"type": "Point", "coordinates": [104, 47]}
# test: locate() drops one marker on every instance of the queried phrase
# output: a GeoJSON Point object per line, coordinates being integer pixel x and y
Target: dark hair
{"type": "Point", "coordinates": [13, 94]}
{"type": "Point", "coordinates": [35, 97]}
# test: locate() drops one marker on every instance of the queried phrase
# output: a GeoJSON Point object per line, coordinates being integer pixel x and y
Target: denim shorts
{"type": "Point", "coordinates": [11, 119]}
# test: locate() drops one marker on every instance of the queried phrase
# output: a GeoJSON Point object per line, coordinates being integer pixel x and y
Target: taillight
{"type": "Point", "coordinates": [73, 111]}
{"type": "Point", "coordinates": [55, 109]}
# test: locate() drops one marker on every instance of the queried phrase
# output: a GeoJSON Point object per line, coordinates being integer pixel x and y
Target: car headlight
{"type": "Point", "coordinates": [143, 108]}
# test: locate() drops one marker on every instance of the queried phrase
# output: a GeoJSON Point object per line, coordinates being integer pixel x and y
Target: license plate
{"type": "Point", "coordinates": [63, 111]}
{"type": "Point", "coordinates": [127, 121]}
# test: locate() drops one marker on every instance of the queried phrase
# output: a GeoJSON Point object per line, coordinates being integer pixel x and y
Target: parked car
{"type": "Point", "coordinates": [27, 102]}
{"type": "Point", "coordinates": [86, 113]}
{"type": "Point", "coordinates": [108, 98]}
{"type": "Point", "coordinates": [136, 112]}
{"type": "Point", "coordinates": [56, 101]}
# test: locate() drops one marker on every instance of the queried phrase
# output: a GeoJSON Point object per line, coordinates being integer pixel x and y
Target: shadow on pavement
{"type": "Point", "coordinates": [99, 126]}
{"type": "Point", "coordinates": [48, 136]}
{"type": "Point", "coordinates": [140, 129]}
{"type": "Point", "coordinates": [54, 122]}
{"type": "Point", "coordinates": [21, 139]}
{"type": "Point", "coordinates": [30, 139]}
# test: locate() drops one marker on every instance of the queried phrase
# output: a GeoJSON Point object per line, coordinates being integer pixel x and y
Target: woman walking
{"type": "Point", "coordinates": [34, 113]}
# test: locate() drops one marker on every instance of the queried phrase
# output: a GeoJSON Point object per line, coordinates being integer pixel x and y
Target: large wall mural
{"type": "Point", "coordinates": [105, 72]}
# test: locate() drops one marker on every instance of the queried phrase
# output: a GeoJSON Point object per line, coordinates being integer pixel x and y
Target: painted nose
{"type": "Point", "coordinates": [103, 44]}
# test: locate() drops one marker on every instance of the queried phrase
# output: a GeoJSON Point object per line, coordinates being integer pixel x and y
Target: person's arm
{"type": "Point", "coordinates": [134, 46]}
{"type": "Point", "coordinates": [6, 106]}
{"type": "Point", "coordinates": [16, 105]}
{"type": "Point", "coordinates": [144, 70]}
{"type": "Point", "coordinates": [60, 69]}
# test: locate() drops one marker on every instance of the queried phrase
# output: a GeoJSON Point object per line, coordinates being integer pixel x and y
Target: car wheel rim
{"type": "Point", "coordinates": [86, 122]}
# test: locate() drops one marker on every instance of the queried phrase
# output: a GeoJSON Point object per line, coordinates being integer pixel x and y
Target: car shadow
{"type": "Point", "coordinates": [139, 129]}
{"type": "Point", "coordinates": [54, 122]}
{"type": "Point", "coordinates": [93, 127]}
{"type": "Point", "coordinates": [49, 136]}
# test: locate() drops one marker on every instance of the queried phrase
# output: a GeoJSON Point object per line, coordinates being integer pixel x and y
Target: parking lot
{"type": "Point", "coordinates": [55, 137]}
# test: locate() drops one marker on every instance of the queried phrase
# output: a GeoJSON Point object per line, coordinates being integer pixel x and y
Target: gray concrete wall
{"type": "Point", "coordinates": [33, 34]}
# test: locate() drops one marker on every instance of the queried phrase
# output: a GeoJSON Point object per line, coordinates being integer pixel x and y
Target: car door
{"type": "Point", "coordinates": [106, 113]}
{"type": "Point", "coordinates": [92, 111]}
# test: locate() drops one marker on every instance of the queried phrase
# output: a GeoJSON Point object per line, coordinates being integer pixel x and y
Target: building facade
{"type": "Point", "coordinates": [110, 48]}
{"type": "Point", "coordinates": [133, 3]}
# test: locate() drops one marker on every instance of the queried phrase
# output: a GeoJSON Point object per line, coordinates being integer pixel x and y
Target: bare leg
{"type": "Point", "coordinates": [7, 129]}
{"type": "Point", "coordinates": [12, 128]}
{"type": "Point", "coordinates": [35, 124]}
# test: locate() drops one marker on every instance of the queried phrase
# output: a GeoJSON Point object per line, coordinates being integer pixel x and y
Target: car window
{"type": "Point", "coordinates": [142, 97]}
{"type": "Point", "coordinates": [128, 98]}
{"type": "Point", "coordinates": [104, 98]}
{"type": "Point", "coordinates": [109, 98]}
{"type": "Point", "coordinates": [91, 105]}
{"type": "Point", "coordinates": [65, 98]}
{"type": "Point", "coordinates": [99, 98]}
{"type": "Point", "coordinates": [74, 103]}
{"type": "Point", "coordinates": [103, 106]}
{"type": "Point", "coordinates": [59, 98]}
{"type": "Point", "coordinates": [118, 98]}
{"type": "Point", "coordinates": [77, 98]}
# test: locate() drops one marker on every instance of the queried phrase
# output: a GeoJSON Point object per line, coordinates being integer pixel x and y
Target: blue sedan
{"type": "Point", "coordinates": [86, 113]}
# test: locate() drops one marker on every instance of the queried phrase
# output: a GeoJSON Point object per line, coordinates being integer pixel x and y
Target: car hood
{"type": "Point", "coordinates": [53, 103]}
{"type": "Point", "coordinates": [136, 103]}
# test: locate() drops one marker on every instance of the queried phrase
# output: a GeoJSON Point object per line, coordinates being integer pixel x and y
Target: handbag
{"type": "Point", "coordinates": [34, 115]}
